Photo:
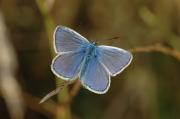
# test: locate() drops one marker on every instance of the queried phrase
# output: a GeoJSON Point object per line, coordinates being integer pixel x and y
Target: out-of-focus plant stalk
{"type": "Point", "coordinates": [9, 86]}
{"type": "Point", "coordinates": [63, 110]}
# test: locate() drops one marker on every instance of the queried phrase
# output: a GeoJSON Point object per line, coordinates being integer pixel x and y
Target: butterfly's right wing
{"type": "Point", "coordinates": [67, 65]}
{"type": "Point", "coordinates": [114, 59]}
{"type": "Point", "coordinates": [66, 39]}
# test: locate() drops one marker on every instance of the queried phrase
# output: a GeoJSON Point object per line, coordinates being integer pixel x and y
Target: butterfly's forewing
{"type": "Point", "coordinates": [66, 39]}
{"type": "Point", "coordinates": [95, 77]}
{"type": "Point", "coordinates": [114, 59]}
{"type": "Point", "coordinates": [67, 65]}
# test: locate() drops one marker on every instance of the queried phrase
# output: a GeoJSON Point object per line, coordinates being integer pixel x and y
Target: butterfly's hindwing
{"type": "Point", "coordinates": [67, 65]}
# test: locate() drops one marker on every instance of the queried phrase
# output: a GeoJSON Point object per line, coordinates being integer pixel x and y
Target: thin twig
{"type": "Point", "coordinates": [157, 48]}
{"type": "Point", "coordinates": [55, 91]}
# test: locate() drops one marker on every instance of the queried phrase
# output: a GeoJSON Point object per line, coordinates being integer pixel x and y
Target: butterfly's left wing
{"type": "Point", "coordinates": [114, 59]}
{"type": "Point", "coordinates": [66, 40]}
{"type": "Point", "coordinates": [95, 77]}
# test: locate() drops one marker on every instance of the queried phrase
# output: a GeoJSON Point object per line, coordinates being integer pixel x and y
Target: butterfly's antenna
{"type": "Point", "coordinates": [113, 38]}
{"type": "Point", "coordinates": [109, 38]}
{"type": "Point", "coordinates": [54, 92]}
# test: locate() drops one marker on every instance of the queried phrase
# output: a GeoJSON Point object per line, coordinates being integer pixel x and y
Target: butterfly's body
{"type": "Point", "coordinates": [90, 52]}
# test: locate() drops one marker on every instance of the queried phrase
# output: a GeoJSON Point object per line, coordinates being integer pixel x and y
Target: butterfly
{"type": "Point", "coordinates": [92, 64]}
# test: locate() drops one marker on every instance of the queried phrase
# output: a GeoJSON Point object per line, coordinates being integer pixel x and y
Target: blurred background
{"type": "Point", "coordinates": [148, 89]}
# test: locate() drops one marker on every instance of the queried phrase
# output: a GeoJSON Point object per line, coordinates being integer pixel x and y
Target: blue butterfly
{"type": "Point", "coordinates": [92, 64]}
